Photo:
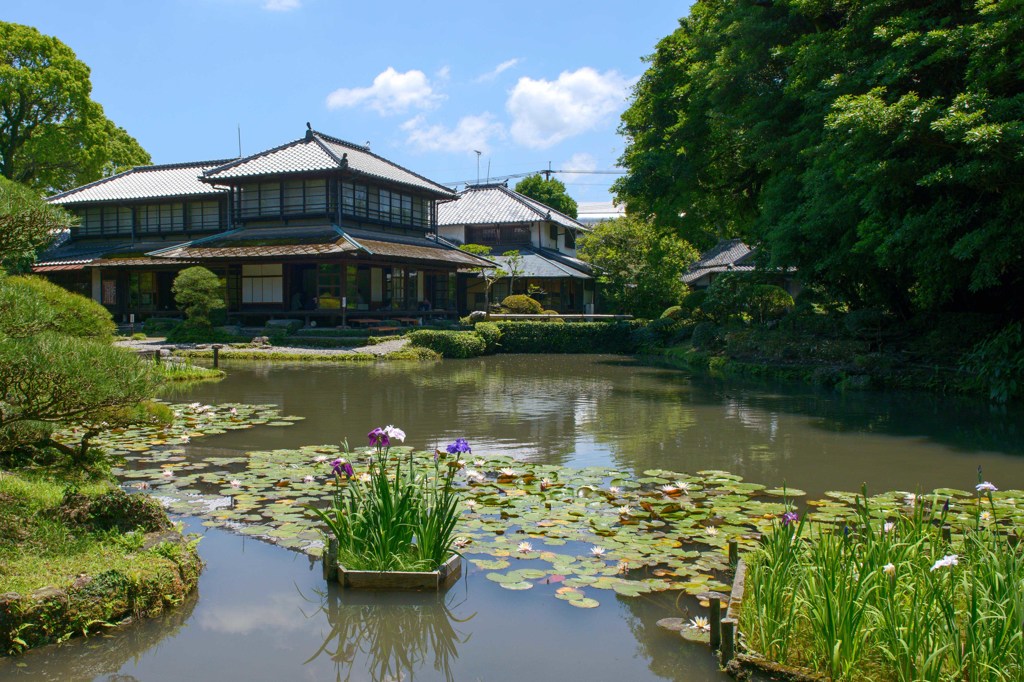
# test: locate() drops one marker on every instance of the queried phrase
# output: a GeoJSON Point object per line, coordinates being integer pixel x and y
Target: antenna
{"type": "Point", "coordinates": [547, 173]}
{"type": "Point", "coordinates": [239, 140]}
{"type": "Point", "coordinates": [478, 153]}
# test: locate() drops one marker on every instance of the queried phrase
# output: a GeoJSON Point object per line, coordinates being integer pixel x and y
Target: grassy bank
{"type": "Point", "coordinates": [75, 560]}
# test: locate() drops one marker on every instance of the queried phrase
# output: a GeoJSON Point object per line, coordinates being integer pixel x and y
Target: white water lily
{"type": "Point", "coordinates": [700, 623]}
{"type": "Point", "coordinates": [470, 504]}
{"type": "Point", "coordinates": [479, 463]}
{"type": "Point", "coordinates": [986, 516]}
{"type": "Point", "coordinates": [711, 530]}
{"type": "Point", "coordinates": [321, 458]}
{"type": "Point", "coordinates": [186, 438]}
{"type": "Point", "coordinates": [524, 547]}
{"type": "Point", "coordinates": [461, 543]}
{"type": "Point", "coordinates": [168, 473]}
{"type": "Point", "coordinates": [910, 499]}
{"type": "Point", "coordinates": [235, 483]}
{"type": "Point", "coordinates": [308, 478]}
{"type": "Point", "coordinates": [625, 511]}
{"type": "Point", "coordinates": [682, 485]}
{"type": "Point", "coordinates": [511, 473]}
{"type": "Point", "coordinates": [614, 490]}
{"type": "Point", "coordinates": [363, 477]}
{"type": "Point", "coordinates": [597, 551]}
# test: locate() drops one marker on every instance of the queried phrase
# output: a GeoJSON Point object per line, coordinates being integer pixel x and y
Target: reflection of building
{"type": "Point", "coordinates": [505, 220]}
{"type": "Point", "coordinates": [302, 227]}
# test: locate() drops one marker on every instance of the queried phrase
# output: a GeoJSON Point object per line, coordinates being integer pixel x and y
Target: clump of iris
{"type": "Point", "coordinates": [459, 447]}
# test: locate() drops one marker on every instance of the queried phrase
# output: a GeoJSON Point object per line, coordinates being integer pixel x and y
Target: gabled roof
{"type": "Point", "coordinates": [144, 182]}
{"type": "Point", "coordinates": [546, 264]}
{"type": "Point", "coordinates": [318, 152]}
{"type": "Point", "coordinates": [497, 204]}
{"type": "Point", "coordinates": [728, 255]}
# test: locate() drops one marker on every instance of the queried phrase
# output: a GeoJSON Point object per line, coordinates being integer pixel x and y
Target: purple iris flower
{"type": "Point", "coordinates": [340, 466]}
{"type": "Point", "coordinates": [459, 447]}
{"type": "Point", "coordinates": [379, 438]}
{"type": "Point", "coordinates": [789, 517]}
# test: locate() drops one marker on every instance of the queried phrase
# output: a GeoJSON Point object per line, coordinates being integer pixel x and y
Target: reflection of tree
{"type": "Point", "coordinates": [667, 656]}
{"type": "Point", "coordinates": [81, 659]}
{"type": "Point", "coordinates": [394, 633]}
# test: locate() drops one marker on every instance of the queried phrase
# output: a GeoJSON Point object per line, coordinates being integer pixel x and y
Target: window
{"type": "Point", "coordinates": [105, 220]}
{"type": "Point", "coordinates": [570, 239]}
{"type": "Point", "coordinates": [156, 218]}
{"type": "Point", "coordinates": [553, 233]}
{"type": "Point", "coordinates": [329, 291]}
{"type": "Point", "coordinates": [142, 290]}
{"type": "Point", "coordinates": [263, 199]}
{"type": "Point", "coordinates": [395, 288]}
{"type": "Point", "coordinates": [384, 205]}
{"type": "Point", "coordinates": [262, 283]}
{"type": "Point", "coordinates": [305, 196]}
{"type": "Point", "coordinates": [204, 215]}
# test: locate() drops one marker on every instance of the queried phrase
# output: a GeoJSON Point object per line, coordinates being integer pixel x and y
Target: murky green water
{"type": "Point", "coordinates": [263, 613]}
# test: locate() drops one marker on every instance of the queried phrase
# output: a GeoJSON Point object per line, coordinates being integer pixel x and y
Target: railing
{"type": "Point", "coordinates": [568, 318]}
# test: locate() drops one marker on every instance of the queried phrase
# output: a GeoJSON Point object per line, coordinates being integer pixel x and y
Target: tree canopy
{"type": "Point", "coordinates": [27, 225]}
{"type": "Point", "coordinates": [878, 147]}
{"type": "Point", "coordinates": [53, 136]}
{"type": "Point", "coordinates": [639, 267]}
{"type": "Point", "coordinates": [550, 192]}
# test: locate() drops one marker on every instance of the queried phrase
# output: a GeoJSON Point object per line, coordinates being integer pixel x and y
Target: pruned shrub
{"type": "Point", "coordinates": [30, 305]}
{"type": "Point", "coordinates": [159, 326]}
{"type": "Point", "coordinates": [449, 344]}
{"type": "Point", "coordinates": [673, 313]}
{"type": "Point", "coordinates": [541, 336]}
{"type": "Point", "coordinates": [521, 304]}
{"type": "Point", "coordinates": [113, 510]}
{"type": "Point", "coordinates": [198, 292]}
{"type": "Point", "coordinates": [491, 334]}
{"type": "Point", "coordinates": [706, 336]}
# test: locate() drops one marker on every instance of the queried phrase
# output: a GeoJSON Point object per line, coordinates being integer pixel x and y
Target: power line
{"type": "Point", "coordinates": [546, 171]}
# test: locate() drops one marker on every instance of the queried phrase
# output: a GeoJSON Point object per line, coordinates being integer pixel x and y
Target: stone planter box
{"type": "Point", "coordinates": [441, 579]}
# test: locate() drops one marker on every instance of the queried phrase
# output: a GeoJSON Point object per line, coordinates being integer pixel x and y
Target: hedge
{"type": "Point", "coordinates": [491, 335]}
{"type": "Point", "coordinates": [449, 344]}
{"type": "Point", "coordinates": [578, 337]}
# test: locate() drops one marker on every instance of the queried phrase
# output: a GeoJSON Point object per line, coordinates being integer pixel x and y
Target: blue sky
{"type": "Point", "coordinates": [426, 83]}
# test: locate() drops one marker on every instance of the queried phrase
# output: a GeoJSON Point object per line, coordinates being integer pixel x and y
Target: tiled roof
{"type": "Point", "coordinates": [144, 182]}
{"type": "Point", "coordinates": [319, 152]}
{"type": "Point", "coordinates": [497, 204]}
{"type": "Point", "coordinates": [261, 242]}
{"type": "Point", "coordinates": [729, 255]}
{"type": "Point", "coordinates": [414, 248]}
{"type": "Point", "coordinates": [96, 252]}
{"type": "Point", "coordinates": [320, 240]}
{"type": "Point", "coordinates": [538, 265]}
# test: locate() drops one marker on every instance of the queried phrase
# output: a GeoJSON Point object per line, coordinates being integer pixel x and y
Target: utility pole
{"type": "Point", "coordinates": [547, 173]}
{"type": "Point", "coordinates": [478, 153]}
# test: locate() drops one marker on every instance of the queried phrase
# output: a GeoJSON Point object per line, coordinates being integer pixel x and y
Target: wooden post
{"type": "Point", "coordinates": [216, 354]}
{"type": "Point", "coordinates": [330, 560]}
{"type": "Point", "coordinates": [734, 552]}
{"type": "Point", "coordinates": [728, 640]}
{"type": "Point", "coordinates": [156, 356]}
{"type": "Point", "coordinates": [716, 621]}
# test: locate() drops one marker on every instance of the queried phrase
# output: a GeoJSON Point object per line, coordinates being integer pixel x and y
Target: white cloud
{"type": "Point", "coordinates": [580, 161]}
{"type": "Point", "coordinates": [444, 73]}
{"type": "Point", "coordinates": [282, 5]}
{"type": "Point", "coordinates": [496, 71]}
{"type": "Point", "coordinates": [546, 112]}
{"type": "Point", "coordinates": [391, 93]}
{"type": "Point", "coordinates": [470, 133]}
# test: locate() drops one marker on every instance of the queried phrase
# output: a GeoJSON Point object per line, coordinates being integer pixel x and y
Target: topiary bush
{"type": "Point", "coordinates": [198, 293]}
{"type": "Point", "coordinates": [579, 337]}
{"type": "Point", "coordinates": [491, 334]}
{"type": "Point", "coordinates": [520, 304]}
{"type": "Point", "coordinates": [30, 305]}
{"type": "Point", "coordinates": [449, 344]}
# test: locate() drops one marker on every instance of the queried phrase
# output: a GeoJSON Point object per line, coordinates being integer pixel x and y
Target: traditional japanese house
{"type": "Point", "coordinates": [505, 220]}
{"type": "Point", "coordinates": [312, 229]}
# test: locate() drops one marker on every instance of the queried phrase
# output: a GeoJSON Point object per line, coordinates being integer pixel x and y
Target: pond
{"type": "Point", "coordinates": [263, 612]}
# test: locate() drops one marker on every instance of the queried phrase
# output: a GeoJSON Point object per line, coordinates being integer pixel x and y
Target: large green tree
{"type": "Point", "coordinates": [639, 267]}
{"type": "Point", "coordinates": [876, 146]}
{"type": "Point", "coordinates": [53, 136]}
{"type": "Point", "coordinates": [27, 225]}
{"type": "Point", "coordinates": [550, 192]}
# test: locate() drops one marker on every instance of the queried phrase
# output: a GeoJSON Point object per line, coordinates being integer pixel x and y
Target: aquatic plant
{"type": "Point", "coordinates": [391, 520]}
{"type": "Point", "coordinates": [918, 591]}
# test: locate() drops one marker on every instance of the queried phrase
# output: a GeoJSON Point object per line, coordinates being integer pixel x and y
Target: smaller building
{"type": "Point", "coordinates": [732, 255]}
{"type": "Point", "coordinates": [591, 213]}
{"type": "Point", "coordinates": [504, 220]}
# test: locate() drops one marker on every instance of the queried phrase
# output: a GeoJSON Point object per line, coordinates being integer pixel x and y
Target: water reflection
{"type": "Point", "coordinates": [393, 635]}
{"type": "Point", "coordinates": [613, 411]}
